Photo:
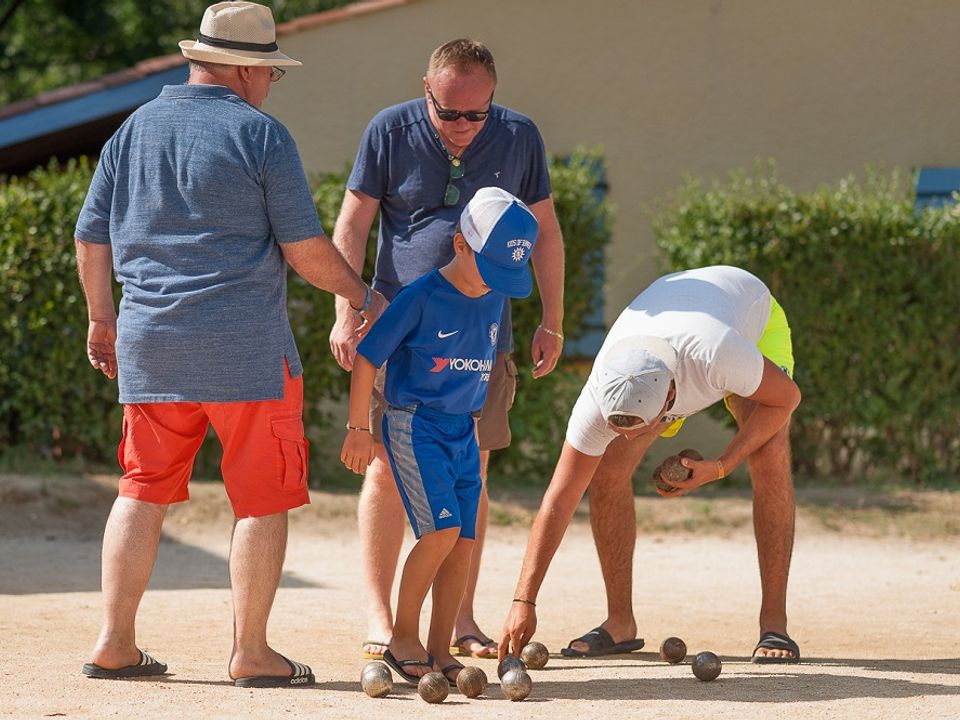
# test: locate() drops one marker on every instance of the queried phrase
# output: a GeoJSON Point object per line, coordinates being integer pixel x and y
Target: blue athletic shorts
{"type": "Point", "coordinates": [436, 463]}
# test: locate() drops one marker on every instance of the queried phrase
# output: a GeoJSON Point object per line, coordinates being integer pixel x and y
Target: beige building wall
{"type": "Point", "coordinates": [668, 88]}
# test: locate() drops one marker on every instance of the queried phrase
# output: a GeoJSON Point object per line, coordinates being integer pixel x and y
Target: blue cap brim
{"type": "Point", "coordinates": [512, 282]}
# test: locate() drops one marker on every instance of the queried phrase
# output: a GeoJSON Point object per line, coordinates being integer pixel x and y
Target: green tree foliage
{"type": "Point", "coordinates": [870, 286]}
{"type": "Point", "coordinates": [51, 43]}
{"type": "Point", "coordinates": [52, 403]}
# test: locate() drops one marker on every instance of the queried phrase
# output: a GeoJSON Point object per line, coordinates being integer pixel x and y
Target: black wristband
{"type": "Point", "coordinates": [528, 602]}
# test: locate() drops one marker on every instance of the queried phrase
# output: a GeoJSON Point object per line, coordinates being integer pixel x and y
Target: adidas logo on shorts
{"type": "Point", "coordinates": [444, 514]}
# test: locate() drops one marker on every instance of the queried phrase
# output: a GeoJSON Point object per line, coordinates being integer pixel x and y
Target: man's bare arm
{"type": "Point", "coordinates": [95, 268]}
{"type": "Point", "coordinates": [548, 266]}
{"type": "Point", "coordinates": [317, 261]}
{"type": "Point", "coordinates": [350, 238]}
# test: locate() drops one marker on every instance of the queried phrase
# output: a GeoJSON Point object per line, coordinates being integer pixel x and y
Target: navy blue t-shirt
{"type": "Point", "coordinates": [440, 345]}
{"type": "Point", "coordinates": [403, 163]}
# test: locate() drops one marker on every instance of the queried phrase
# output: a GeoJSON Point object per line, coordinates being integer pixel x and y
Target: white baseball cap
{"type": "Point", "coordinates": [501, 231]}
{"type": "Point", "coordinates": [633, 377]}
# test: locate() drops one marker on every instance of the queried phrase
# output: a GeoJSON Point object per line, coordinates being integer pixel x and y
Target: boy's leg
{"type": "Point", "coordinates": [419, 572]}
{"type": "Point", "coordinates": [466, 624]}
{"type": "Point", "coordinates": [448, 589]}
{"type": "Point", "coordinates": [493, 433]}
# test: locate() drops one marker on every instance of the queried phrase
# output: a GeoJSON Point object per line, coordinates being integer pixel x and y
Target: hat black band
{"type": "Point", "coordinates": [233, 45]}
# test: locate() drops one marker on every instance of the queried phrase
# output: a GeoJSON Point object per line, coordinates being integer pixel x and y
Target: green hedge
{"type": "Point", "coordinates": [870, 286]}
{"type": "Point", "coordinates": [53, 404]}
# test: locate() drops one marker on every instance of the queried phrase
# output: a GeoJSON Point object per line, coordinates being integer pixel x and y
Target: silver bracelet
{"type": "Point", "coordinates": [552, 332]}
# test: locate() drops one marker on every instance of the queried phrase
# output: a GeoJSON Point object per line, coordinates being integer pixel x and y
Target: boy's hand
{"type": "Point", "coordinates": [358, 450]}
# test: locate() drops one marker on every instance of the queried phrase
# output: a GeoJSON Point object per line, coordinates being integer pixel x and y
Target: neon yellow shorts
{"type": "Point", "coordinates": [775, 344]}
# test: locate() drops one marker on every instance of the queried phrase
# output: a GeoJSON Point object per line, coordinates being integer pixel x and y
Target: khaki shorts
{"type": "Point", "coordinates": [493, 427]}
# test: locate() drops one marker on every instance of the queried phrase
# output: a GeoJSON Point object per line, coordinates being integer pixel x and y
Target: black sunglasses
{"type": "Point", "coordinates": [454, 115]}
{"type": "Point", "coordinates": [451, 195]}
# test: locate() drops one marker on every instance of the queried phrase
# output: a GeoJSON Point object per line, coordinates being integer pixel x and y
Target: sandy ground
{"type": "Point", "coordinates": [877, 615]}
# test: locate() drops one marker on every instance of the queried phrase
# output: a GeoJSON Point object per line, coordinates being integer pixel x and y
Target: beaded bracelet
{"type": "Point", "coordinates": [721, 473]}
{"type": "Point", "coordinates": [528, 602]}
{"type": "Point", "coordinates": [357, 429]}
{"type": "Point", "coordinates": [552, 332]}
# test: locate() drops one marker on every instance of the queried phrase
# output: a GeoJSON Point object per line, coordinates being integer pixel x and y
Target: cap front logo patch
{"type": "Point", "coordinates": [518, 254]}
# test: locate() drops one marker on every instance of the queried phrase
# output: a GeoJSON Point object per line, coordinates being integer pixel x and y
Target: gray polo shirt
{"type": "Point", "coordinates": [195, 193]}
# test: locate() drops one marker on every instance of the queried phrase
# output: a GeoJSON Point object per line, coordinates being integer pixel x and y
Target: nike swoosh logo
{"type": "Point", "coordinates": [441, 334]}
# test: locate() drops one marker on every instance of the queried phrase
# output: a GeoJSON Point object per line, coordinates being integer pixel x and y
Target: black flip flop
{"type": "Point", "coordinates": [398, 666]}
{"type": "Point", "coordinates": [147, 667]}
{"type": "Point", "coordinates": [448, 668]}
{"type": "Point", "coordinates": [776, 641]}
{"type": "Point", "coordinates": [600, 642]}
{"type": "Point", "coordinates": [300, 676]}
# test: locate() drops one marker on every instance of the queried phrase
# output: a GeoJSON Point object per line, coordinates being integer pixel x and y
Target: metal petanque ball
{"type": "Point", "coordinates": [673, 650]}
{"type": "Point", "coordinates": [376, 680]}
{"type": "Point", "coordinates": [471, 681]}
{"type": "Point", "coordinates": [535, 655]}
{"type": "Point", "coordinates": [434, 687]}
{"type": "Point", "coordinates": [510, 662]}
{"type": "Point", "coordinates": [706, 666]}
{"type": "Point", "coordinates": [516, 685]}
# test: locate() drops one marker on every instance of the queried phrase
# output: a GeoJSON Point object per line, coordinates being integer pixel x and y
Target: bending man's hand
{"type": "Point", "coordinates": [545, 350]}
{"type": "Point", "coordinates": [702, 472]}
{"type": "Point", "coordinates": [102, 346]}
{"type": "Point", "coordinates": [518, 629]}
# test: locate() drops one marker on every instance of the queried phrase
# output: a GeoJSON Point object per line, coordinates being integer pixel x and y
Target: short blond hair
{"type": "Point", "coordinates": [462, 55]}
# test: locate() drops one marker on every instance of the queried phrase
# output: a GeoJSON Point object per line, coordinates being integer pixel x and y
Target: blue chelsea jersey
{"type": "Point", "coordinates": [440, 345]}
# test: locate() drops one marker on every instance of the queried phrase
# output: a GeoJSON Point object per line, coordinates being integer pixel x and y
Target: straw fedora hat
{"type": "Point", "coordinates": [236, 33]}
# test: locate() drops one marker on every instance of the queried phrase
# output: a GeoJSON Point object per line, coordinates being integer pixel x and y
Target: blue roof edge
{"type": "Point", "coordinates": [87, 108]}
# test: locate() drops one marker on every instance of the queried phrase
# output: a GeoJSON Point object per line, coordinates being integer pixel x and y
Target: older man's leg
{"type": "Point", "coordinates": [774, 511]}
{"type": "Point", "coordinates": [613, 518]}
{"type": "Point", "coordinates": [381, 521]}
{"type": "Point", "coordinates": [256, 560]}
{"type": "Point", "coordinates": [130, 543]}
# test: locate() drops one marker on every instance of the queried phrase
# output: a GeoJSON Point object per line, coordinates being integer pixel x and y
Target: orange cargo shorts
{"type": "Point", "coordinates": [264, 462]}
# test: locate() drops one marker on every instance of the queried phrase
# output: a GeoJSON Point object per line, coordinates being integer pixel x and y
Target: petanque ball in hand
{"type": "Point", "coordinates": [434, 687]}
{"type": "Point", "coordinates": [510, 662]}
{"type": "Point", "coordinates": [673, 650]}
{"type": "Point", "coordinates": [516, 685]}
{"type": "Point", "coordinates": [535, 655]}
{"type": "Point", "coordinates": [471, 681]}
{"type": "Point", "coordinates": [376, 680]}
{"type": "Point", "coordinates": [706, 666]}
